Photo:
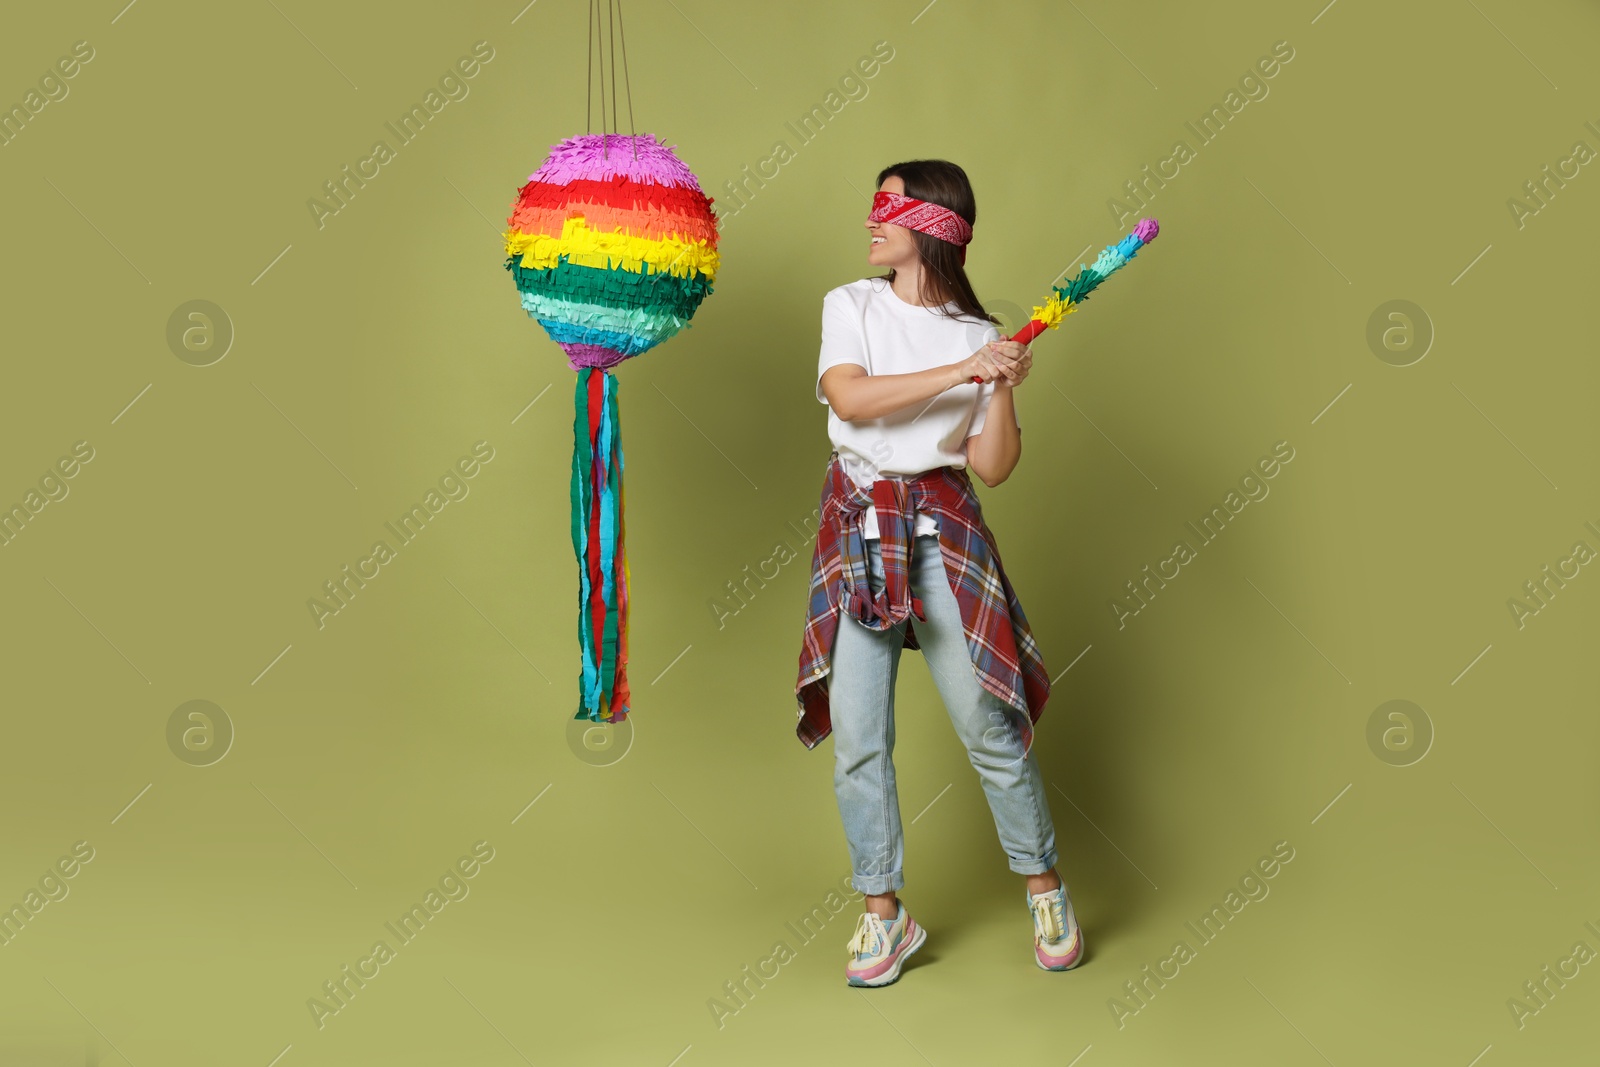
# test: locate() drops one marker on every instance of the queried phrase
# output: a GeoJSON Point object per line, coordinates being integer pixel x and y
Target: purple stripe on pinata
{"type": "Point", "coordinates": [586, 157]}
{"type": "Point", "coordinates": [580, 356]}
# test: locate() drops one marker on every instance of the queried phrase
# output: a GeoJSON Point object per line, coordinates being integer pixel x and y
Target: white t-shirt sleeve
{"type": "Point", "coordinates": [841, 337]}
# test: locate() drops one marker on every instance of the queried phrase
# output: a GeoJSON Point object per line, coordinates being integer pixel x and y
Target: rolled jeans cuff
{"type": "Point", "coordinates": [879, 884]}
{"type": "Point", "coordinates": [1038, 866]}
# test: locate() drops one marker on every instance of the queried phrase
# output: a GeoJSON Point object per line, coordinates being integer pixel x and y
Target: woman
{"type": "Point", "coordinates": [904, 559]}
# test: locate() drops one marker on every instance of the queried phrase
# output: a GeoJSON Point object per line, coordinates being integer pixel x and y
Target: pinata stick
{"type": "Point", "coordinates": [1066, 298]}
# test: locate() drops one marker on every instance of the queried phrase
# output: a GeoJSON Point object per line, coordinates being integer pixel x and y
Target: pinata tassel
{"type": "Point", "coordinates": [597, 540]}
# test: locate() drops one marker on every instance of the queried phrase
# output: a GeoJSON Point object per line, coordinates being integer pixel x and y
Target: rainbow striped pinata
{"type": "Point", "coordinates": [613, 246]}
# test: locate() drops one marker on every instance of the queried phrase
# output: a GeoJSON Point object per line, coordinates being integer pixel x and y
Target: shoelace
{"type": "Point", "coordinates": [870, 935]}
{"type": "Point", "coordinates": [1049, 915]}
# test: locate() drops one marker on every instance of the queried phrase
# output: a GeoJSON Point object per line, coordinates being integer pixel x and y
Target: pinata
{"type": "Point", "coordinates": [612, 245]}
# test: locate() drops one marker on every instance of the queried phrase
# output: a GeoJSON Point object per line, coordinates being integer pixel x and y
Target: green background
{"type": "Point", "coordinates": [371, 353]}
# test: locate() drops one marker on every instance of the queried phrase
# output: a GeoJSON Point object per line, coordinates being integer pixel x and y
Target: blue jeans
{"type": "Point", "coordinates": [861, 701]}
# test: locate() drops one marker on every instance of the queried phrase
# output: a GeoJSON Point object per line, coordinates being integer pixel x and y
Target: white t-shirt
{"type": "Point", "coordinates": [865, 323]}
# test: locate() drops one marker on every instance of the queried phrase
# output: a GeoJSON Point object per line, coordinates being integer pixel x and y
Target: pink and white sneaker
{"type": "Point", "coordinates": [877, 950]}
{"type": "Point", "coordinates": [1057, 941]}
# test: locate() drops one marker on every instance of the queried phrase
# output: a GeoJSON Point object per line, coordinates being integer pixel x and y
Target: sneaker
{"type": "Point", "coordinates": [1057, 941]}
{"type": "Point", "coordinates": [877, 950]}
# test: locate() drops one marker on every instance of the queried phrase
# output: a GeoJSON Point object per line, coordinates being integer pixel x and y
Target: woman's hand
{"type": "Point", "coordinates": [990, 362]}
{"type": "Point", "coordinates": [1002, 362]}
{"type": "Point", "coordinates": [1012, 359]}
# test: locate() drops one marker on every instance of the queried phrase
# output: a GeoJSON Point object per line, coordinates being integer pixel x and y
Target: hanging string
{"type": "Point", "coordinates": [611, 37]}
{"type": "Point", "coordinates": [614, 29]}
{"type": "Point", "coordinates": [588, 80]}
{"type": "Point", "coordinates": [624, 34]}
{"type": "Point", "coordinates": [605, 130]}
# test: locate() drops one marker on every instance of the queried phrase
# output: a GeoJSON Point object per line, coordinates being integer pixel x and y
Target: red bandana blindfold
{"type": "Point", "coordinates": [923, 216]}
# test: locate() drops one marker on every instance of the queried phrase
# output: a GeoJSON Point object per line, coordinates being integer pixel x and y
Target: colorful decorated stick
{"type": "Point", "coordinates": [613, 246]}
{"type": "Point", "coordinates": [1066, 298]}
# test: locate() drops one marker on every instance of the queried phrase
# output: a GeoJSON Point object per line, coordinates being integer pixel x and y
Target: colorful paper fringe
{"type": "Point", "coordinates": [1066, 298]}
{"type": "Point", "coordinates": [611, 255]}
{"type": "Point", "coordinates": [597, 540]}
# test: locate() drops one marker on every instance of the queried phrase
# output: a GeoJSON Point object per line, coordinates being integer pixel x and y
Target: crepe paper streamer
{"type": "Point", "coordinates": [1066, 298]}
{"type": "Point", "coordinates": [612, 255]}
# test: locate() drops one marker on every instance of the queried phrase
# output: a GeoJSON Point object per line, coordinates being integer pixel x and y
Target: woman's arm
{"type": "Point", "coordinates": [993, 452]}
{"type": "Point", "coordinates": [853, 394]}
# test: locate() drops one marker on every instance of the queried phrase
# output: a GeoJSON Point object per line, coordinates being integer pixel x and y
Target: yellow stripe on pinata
{"type": "Point", "coordinates": [609, 251]}
{"type": "Point", "coordinates": [1055, 309]}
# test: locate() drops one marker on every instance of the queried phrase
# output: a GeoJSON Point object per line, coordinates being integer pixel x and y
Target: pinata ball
{"type": "Point", "coordinates": [612, 246]}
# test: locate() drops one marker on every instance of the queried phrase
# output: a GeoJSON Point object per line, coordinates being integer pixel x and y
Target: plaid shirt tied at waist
{"type": "Point", "coordinates": [1005, 656]}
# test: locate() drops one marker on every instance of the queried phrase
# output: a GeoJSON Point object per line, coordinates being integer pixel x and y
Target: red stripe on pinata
{"type": "Point", "coordinates": [541, 207]}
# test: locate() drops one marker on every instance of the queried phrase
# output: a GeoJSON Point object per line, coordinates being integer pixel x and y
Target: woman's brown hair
{"type": "Point", "coordinates": [944, 279]}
